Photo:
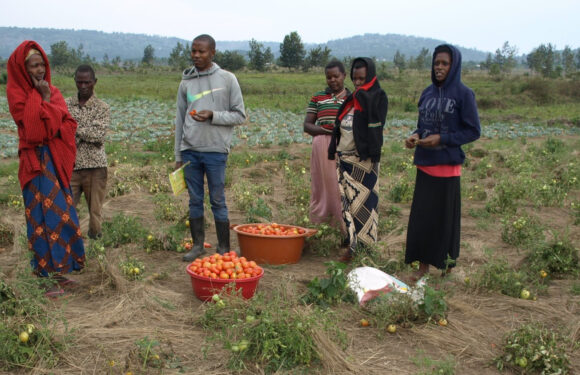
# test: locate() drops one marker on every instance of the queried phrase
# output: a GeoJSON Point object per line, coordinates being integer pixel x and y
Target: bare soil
{"type": "Point", "coordinates": [109, 314]}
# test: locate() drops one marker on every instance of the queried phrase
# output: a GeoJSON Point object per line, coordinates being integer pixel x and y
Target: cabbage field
{"type": "Point", "coordinates": [141, 120]}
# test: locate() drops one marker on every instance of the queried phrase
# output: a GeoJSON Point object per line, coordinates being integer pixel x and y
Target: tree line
{"type": "Point", "coordinates": [544, 59]}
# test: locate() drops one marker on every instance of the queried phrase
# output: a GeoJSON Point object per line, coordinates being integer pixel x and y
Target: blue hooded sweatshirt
{"type": "Point", "coordinates": [449, 110]}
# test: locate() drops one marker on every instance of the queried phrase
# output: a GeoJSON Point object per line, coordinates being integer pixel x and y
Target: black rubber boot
{"type": "Point", "coordinates": [222, 229]}
{"type": "Point", "coordinates": [198, 237]}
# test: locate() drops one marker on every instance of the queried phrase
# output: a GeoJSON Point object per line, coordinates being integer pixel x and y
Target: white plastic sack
{"type": "Point", "coordinates": [369, 282]}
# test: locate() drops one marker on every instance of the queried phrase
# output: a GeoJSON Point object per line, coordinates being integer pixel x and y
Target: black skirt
{"type": "Point", "coordinates": [435, 221]}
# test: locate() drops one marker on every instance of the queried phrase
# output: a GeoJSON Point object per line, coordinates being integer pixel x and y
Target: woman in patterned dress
{"type": "Point", "coordinates": [46, 152]}
{"type": "Point", "coordinates": [357, 138]}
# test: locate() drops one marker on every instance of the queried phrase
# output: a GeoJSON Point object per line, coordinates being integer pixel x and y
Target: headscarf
{"type": "Point", "coordinates": [370, 113]}
{"type": "Point", "coordinates": [39, 122]}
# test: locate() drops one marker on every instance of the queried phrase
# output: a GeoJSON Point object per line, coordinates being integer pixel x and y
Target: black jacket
{"type": "Point", "coordinates": [371, 105]}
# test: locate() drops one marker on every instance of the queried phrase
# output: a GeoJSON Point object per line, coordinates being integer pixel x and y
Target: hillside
{"type": "Point", "coordinates": [131, 46]}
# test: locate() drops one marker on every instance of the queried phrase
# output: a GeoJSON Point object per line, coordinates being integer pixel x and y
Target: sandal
{"type": "Point", "coordinates": [68, 283]}
{"type": "Point", "coordinates": [55, 292]}
{"type": "Point", "coordinates": [64, 282]}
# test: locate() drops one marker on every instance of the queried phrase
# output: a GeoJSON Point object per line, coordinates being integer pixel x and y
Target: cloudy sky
{"type": "Point", "coordinates": [484, 25]}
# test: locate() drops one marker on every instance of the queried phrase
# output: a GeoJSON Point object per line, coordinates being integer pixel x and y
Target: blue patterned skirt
{"type": "Point", "coordinates": [54, 234]}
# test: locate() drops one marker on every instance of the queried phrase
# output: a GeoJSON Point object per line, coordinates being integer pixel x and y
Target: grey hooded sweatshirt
{"type": "Point", "coordinates": [213, 89]}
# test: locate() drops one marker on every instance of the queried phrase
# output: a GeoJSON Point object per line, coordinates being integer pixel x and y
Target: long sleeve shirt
{"type": "Point", "coordinates": [93, 120]}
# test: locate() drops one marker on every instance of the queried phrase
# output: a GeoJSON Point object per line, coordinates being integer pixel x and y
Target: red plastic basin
{"type": "Point", "coordinates": [204, 287]}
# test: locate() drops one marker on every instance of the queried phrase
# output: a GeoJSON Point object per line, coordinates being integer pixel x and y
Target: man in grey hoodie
{"type": "Point", "coordinates": [209, 104]}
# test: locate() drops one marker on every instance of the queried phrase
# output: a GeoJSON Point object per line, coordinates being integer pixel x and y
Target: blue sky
{"type": "Point", "coordinates": [484, 25]}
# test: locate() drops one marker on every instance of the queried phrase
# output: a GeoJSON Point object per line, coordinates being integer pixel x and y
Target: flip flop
{"type": "Point", "coordinates": [64, 282]}
{"type": "Point", "coordinates": [55, 292]}
{"type": "Point", "coordinates": [68, 283]}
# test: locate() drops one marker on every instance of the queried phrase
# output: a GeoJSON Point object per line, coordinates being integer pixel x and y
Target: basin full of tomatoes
{"type": "Point", "coordinates": [225, 267]}
{"type": "Point", "coordinates": [272, 229]}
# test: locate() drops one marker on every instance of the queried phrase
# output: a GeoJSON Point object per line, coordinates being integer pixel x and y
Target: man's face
{"type": "Point", "coordinates": [85, 84]}
{"type": "Point", "coordinates": [202, 54]}
{"type": "Point", "coordinates": [36, 67]}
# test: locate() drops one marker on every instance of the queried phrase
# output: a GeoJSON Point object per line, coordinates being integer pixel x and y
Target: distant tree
{"type": "Point", "coordinates": [568, 61]}
{"type": "Point", "coordinates": [292, 51]}
{"type": "Point", "coordinates": [506, 57]}
{"type": "Point", "coordinates": [180, 56]}
{"type": "Point", "coordinates": [347, 61]}
{"type": "Point", "coordinates": [148, 55]}
{"type": "Point", "coordinates": [421, 61]}
{"type": "Point", "coordinates": [578, 58]}
{"type": "Point", "coordinates": [399, 61]}
{"type": "Point", "coordinates": [230, 60]}
{"type": "Point", "coordinates": [60, 54]}
{"type": "Point", "coordinates": [268, 56]}
{"type": "Point", "coordinates": [116, 61]}
{"type": "Point", "coordinates": [542, 59]}
{"type": "Point", "coordinates": [128, 65]}
{"type": "Point", "coordinates": [257, 56]}
{"type": "Point", "coordinates": [317, 57]}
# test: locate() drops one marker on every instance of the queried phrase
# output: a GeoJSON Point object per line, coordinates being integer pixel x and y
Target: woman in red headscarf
{"type": "Point", "coordinates": [46, 152]}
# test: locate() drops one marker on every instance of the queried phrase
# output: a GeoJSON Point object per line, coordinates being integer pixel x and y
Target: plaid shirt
{"type": "Point", "coordinates": [93, 119]}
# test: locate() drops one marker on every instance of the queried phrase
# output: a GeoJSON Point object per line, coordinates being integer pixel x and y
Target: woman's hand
{"type": "Point", "coordinates": [412, 140]}
{"type": "Point", "coordinates": [432, 140]}
{"type": "Point", "coordinates": [311, 128]}
{"type": "Point", "coordinates": [42, 87]}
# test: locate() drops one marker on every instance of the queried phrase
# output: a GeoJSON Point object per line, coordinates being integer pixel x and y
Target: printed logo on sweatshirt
{"type": "Point", "coordinates": [433, 110]}
{"type": "Point", "coordinates": [193, 97]}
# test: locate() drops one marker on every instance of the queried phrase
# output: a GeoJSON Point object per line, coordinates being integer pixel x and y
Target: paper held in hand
{"type": "Point", "coordinates": [177, 180]}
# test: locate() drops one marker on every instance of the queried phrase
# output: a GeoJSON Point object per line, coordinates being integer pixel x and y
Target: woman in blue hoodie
{"type": "Point", "coordinates": [447, 119]}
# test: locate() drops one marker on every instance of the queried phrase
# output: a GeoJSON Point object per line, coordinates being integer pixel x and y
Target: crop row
{"type": "Point", "coordinates": [140, 120]}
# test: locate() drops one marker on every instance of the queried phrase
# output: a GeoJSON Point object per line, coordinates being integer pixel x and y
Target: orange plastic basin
{"type": "Point", "coordinates": [271, 249]}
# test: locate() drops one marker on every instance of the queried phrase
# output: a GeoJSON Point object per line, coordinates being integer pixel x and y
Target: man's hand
{"type": "Point", "coordinates": [178, 164]}
{"type": "Point", "coordinates": [202, 116]}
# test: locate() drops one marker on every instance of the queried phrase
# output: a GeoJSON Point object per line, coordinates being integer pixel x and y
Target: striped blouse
{"type": "Point", "coordinates": [325, 106]}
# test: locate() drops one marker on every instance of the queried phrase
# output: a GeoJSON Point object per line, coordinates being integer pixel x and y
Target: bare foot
{"type": "Point", "coordinates": [423, 269]}
{"type": "Point", "coordinates": [446, 272]}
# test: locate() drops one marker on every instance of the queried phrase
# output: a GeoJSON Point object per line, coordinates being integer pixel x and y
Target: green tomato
{"type": "Point", "coordinates": [525, 294]}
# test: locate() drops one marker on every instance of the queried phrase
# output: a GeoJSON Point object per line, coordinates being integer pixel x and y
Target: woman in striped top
{"type": "Point", "coordinates": [325, 204]}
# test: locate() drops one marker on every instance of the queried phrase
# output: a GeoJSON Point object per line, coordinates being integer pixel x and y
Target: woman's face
{"type": "Point", "coordinates": [36, 67]}
{"type": "Point", "coordinates": [359, 75]}
{"type": "Point", "coordinates": [335, 79]}
{"type": "Point", "coordinates": [441, 66]}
